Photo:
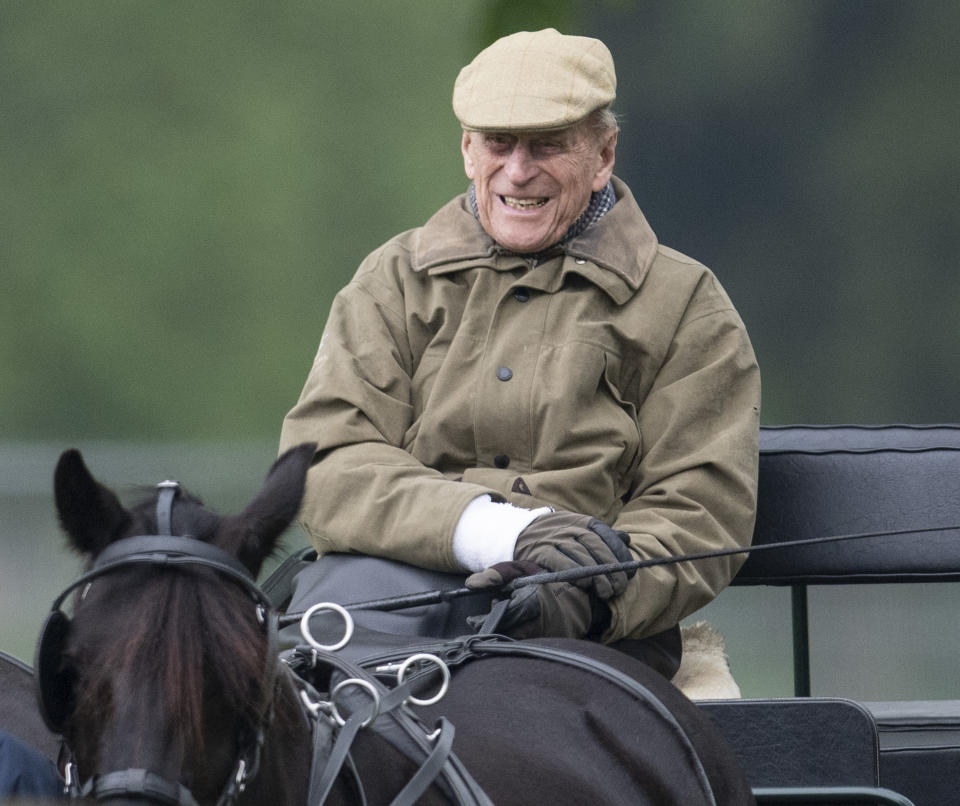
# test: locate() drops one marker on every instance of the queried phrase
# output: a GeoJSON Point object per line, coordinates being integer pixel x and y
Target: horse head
{"type": "Point", "coordinates": [164, 681]}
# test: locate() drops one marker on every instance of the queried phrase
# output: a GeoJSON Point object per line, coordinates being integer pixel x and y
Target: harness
{"type": "Point", "coordinates": [443, 654]}
{"type": "Point", "coordinates": [376, 706]}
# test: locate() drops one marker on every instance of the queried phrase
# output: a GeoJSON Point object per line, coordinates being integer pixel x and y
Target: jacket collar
{"type": "Point", "coordinates": [616, 251]}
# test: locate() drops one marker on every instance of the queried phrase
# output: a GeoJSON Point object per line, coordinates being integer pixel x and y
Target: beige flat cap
{"type": "Point", "coordinates": [534, 80]}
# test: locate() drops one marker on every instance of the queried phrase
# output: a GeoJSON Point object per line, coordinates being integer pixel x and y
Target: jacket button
{"type": "Point", "coordinates": [521, 294]}
{"type": "Point", "coordinates": [502, 461]}
{"type": "Point", "coordinates": [504, 373]}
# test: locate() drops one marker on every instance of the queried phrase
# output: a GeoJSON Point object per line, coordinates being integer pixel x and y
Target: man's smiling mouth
{"type": "Point", "coordinates": [524, 204]}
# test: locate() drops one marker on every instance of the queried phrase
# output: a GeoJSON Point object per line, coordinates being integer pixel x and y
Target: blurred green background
{"type": "Point", "coordinates": [185, 187]}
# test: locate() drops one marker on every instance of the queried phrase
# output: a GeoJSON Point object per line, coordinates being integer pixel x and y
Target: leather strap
{"type": "Point", "coordinates": [431, 767]}
{"type": "Point", "coordinates": [338, 755]}
{"type": "Point", "coordinates": [167, 550]}
{"type": "Point", "coordinates": [492, 620]}
{"type": "Point", "coordinates": [409, 737]}
{"type": "Point", "coordinates": [167, 493]}
{"type": "Point", "coordinates": [139, 783]}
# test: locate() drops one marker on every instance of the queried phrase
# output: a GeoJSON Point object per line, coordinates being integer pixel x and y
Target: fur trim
{"type": "Point", "coordinates": [704, 673]}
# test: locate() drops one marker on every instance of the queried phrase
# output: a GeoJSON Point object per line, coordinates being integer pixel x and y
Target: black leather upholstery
{"type": "Point", "coordinates": [919, 748]}
{"type": "Point", "coordinates": [784, 743]}
{"type": "Point", "coordinates": [828, 480]}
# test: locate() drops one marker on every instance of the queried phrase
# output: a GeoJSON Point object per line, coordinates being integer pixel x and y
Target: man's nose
{"type": "Point", "coordinates": [520, 165]}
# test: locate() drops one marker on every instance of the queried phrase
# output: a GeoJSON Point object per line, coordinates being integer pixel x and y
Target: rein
{"type": "Point", "coordinates": [402, 602]}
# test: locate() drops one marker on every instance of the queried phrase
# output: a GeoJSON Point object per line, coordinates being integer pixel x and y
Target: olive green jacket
{"type": "Point", "coordinates": [615, 380]}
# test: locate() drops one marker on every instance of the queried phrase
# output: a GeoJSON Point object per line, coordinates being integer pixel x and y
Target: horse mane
{"type": "Point", "coordinates": [187, 636]}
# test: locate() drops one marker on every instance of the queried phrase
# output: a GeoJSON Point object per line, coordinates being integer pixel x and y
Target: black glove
{"type": "Point", "coordinates": [498, 575]}
{"type": "Point", "coordinates": [561, 540]}
{"type": "Point", "coordinates": [557, 610]}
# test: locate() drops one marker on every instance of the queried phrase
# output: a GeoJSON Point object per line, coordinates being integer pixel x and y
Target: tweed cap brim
{"type": "Point", "coordinates": [532, 81]}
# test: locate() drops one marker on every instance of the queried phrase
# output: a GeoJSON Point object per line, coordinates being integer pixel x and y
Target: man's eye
{"type": "Point", "coordinates": [546, 148]}
{"type": "Point", "coordinates": [498, 141]}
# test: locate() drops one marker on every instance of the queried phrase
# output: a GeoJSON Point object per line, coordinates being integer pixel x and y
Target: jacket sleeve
{"type": "Point", "coordinates": [366, 493]}
{"type": "Point", "coordinates": [696, 485]}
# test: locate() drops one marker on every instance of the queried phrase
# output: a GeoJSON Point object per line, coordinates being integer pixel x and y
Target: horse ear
{"type": "Point", "coordinates": [252, 535]}
{"type": "Point", "coordinates": [90, 513]}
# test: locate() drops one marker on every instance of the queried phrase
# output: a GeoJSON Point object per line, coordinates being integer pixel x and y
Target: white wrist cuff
{"type": "Point", "coordinates": [487, 532]}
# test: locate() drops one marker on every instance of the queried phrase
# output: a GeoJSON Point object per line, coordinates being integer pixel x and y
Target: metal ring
{"type": "Point", "coordinates": [443, 670]}
{"type": "Point", "coordinates": [308, 637]}
{"type": "Point", "coordinates": [355, 681]}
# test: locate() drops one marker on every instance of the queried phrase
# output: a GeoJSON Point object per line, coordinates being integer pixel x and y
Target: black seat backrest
{"type": "Point", "coordinates": [819, 481]}
{"type": "Point", "coordinates": [830, 480]}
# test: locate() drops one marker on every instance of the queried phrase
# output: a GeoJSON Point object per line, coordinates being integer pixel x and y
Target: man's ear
{"type": "Point", "coordinates": [468, 167]}
{"type": "Point", "coordinates": [608, 152]}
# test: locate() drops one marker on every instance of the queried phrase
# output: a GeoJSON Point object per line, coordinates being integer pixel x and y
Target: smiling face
{"type": "Point", "coordinates": [532, 186]}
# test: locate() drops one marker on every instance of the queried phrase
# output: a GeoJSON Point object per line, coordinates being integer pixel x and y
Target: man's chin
{"type": "Point", "coordinates": [522, 242]}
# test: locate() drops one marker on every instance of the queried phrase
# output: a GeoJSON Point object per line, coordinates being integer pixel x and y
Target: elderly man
{"type": "Point", "coordinates": [531, 381]}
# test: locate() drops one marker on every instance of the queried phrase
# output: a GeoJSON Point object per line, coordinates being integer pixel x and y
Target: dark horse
{"type": "Point", "coordinates": [166, 673]}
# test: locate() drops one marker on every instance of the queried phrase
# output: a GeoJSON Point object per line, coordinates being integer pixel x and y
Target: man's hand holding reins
{"type": "Point", "coordinates": [560, 540]}
{"type": "Point", "coordinates": [557, 610]}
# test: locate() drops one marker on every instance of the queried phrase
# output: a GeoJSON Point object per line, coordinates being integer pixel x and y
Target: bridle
{"type": "Point", "coordinates": [434, 750]}
{"type": "Point", "coordinates": [53, 690]}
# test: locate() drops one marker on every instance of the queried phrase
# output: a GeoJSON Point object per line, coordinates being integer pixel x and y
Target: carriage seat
{"type": "Point", "coordinates": [829, 480]}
